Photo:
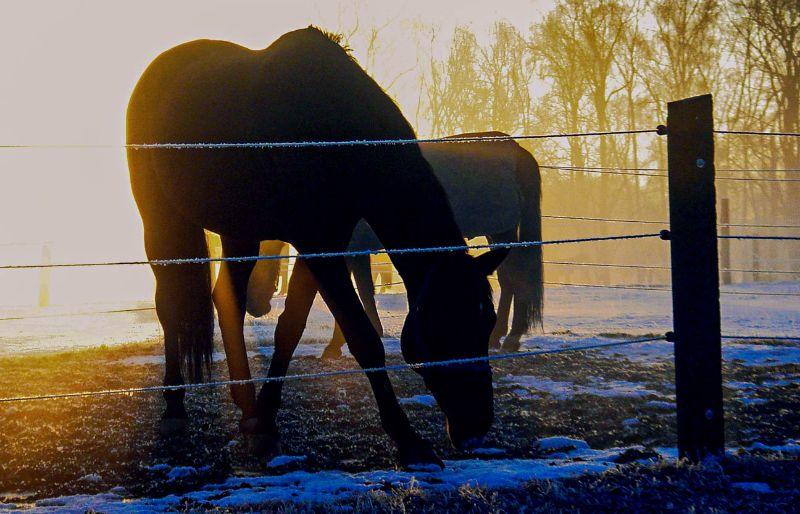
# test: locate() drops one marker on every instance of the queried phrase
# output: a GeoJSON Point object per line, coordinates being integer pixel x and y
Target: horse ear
{"type": "Point", "coordinates": [489, 261]}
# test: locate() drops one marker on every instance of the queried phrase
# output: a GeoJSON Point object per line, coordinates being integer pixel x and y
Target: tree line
{"type": "Point", "coordinates": [599, 65]}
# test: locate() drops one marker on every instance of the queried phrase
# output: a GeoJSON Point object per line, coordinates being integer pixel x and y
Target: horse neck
{"type": "Point", "coordinates": [416, 220]}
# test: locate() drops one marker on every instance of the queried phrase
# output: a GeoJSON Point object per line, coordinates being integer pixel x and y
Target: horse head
{"type": "Point", "coordinates": [452, 317]}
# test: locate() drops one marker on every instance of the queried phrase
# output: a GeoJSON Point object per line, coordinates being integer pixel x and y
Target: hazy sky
{"type": "Point", "coordinates": [68, 67]}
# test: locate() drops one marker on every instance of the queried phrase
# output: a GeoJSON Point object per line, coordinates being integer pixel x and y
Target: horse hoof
{"type": "Point", "coordinates": [248, 426]}
{"type": "Point", "coordinates": [511, 345]}
{"type": "Point", "coordinates": [419, 457]}
{"type": "Point", "coordinates": [331, 353]}
{"type": "Point", "coordinates": [494, 343]}
{"type": "Point", "coordinates": [262, 445]}
{"type": "Point", "coordinates": [172, 426]}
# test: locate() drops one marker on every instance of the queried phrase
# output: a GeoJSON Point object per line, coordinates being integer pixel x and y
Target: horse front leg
{"type": "Point", "coordinates": [230, 298]}
{"type": "Point", "coordinates": [300, 296]}
{"type": "Point", "coordinates": [365, 345]}
{"type": "Point", "coordinates": [360, 267]}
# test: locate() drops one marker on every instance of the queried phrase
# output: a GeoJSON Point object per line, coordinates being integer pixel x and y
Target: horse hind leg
{"type": "Point", "coordinates": [505, 278]}
{"type": "Point", "coordinates": [264, 278]}
{"type": "Point", "coordinates": [519, 325]}
{"type": "Point", "coordinates": [184, 309]}
{"type": "Point", "coordinates": [503, 311]}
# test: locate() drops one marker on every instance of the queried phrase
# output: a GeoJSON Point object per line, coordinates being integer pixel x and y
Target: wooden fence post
{"type": "Point", "coordinates": [695, 278]}
{"type": "Point", "coordinates": [44, 276]}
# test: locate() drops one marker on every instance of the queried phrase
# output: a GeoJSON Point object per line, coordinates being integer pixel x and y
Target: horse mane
{"type": "Point", "coordinates": [337, 38]}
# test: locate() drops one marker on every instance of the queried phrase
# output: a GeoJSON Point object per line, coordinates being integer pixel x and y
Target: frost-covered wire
{"type": "Point", "coordinates": [757, 133]}
{"type": "Point", "coordinates": [750, 236]}
{"type": "Point", "coordinates": [264, 145]}
{"type": "Point", "coordinates": [657, 222]}
{"type": "Point", "coordinates": [329, 374]}
{"type": "Point", "coordinates": [320, 255]}
{"type": "Point", "coordinates": [763, 338]}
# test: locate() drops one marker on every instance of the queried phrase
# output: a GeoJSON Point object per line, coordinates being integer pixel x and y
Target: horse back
{"type": "Point", "coordinates": [303, 87]}
{"type": "Point", "coordinates": [481, 182]}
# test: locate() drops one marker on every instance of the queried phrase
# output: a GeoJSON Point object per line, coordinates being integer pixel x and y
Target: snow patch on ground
{"type": "Point", "coordinates": [329, 486]}
{"type": "Point", "coordinates": [563, 390]}
{"type": "Point", "coordinates": [660, 404]}
{"type": "Point", "coordinates": [283, 460]}
{"type": "Point", "coordinates": [791, 447]}
{"type": "Point", "coordinates": [425, 400]}
{"type": "Point", "coordinates": [561, 443]}
{"type": "Point", "coordinates": [761, 354]}
{"type": "Point", "coordinates": [570, 458]}
{"type": "Point", "coordinates": [756, 487]}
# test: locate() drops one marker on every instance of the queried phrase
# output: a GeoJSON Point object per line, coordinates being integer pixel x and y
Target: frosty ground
{"type": "Point", "coordinates": [590, 431]}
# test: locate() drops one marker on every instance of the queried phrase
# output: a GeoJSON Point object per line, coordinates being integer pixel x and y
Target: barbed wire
{"type": "Point", "coordinates": [318, 255]}
{"type": "Point", "coordinates": [317, 144]}
{"type": "Point", "coordinates": [664, 170]}
{"type": "Point", "coordinates": [604, 171]}
{"type": "Point", "coordinates": [758, 179]}
{"type": "Point", "coordinates": [608, 286]}
{"type": "Point", "coordinates": [72, 314]}
{"type": "Point", "coordinates": [664, 268]}
{"type": "Point", "coordinates": [754, 225]}
{"type": "Point", "coordinates": [763, 338]}
{"type": "Point", "coordinates": [665, 222]}
{"type": "Point", "coordinates": [750, 236]}
{"type": "Point", "coordinates": [665, 289]}
{"type": "Point", "coordinates": [329, 374]}
{"type": "Point", "coordinates": [756, 133]}
{"type": "Point", "coordinates": [633, 172]}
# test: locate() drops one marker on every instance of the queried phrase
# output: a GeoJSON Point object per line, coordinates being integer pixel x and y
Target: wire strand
{"type": "Point", "coordinates": [316, 144]}
{"type": "Point", "coordinates": [756, 133]}
{"type": "Point", "coordinates": [328, 374]}
{"type": "Point", "coordinates": [319, 255]}
{"type": "Point", "coordinates": [664, 170]}
{"type": "Point", "coordinates": [636, 173]}
{"type": "Point", "coordinates": [749, 236]}
{"type": "Point", "coordinates": [71, 314]}
{"type": "Point", "coordinates": [664, 268]}
{"type": "Point", "coordinates": [760, 338]}
{"type": "Point", "coordinates": [666, 289]}
{"type": "Point", "coordinates": [656, 222]}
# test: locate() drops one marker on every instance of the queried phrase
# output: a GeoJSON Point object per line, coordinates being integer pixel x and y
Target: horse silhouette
{"type": "Point", "coordinates": [303, 87]}
{"type": "Point", "coordinates": [494, 189]}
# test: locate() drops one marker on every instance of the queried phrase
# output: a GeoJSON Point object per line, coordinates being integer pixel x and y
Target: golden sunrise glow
{"type": "Point", "coordinates": [68, 70]}
{"type": "Point", "coordinates": [69, 67]}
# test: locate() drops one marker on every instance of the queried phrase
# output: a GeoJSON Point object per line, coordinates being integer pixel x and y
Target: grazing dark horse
{"type": "Point", "coordinates": [303, 87]}
{"type": "Point", "coordinates": [495, 191]}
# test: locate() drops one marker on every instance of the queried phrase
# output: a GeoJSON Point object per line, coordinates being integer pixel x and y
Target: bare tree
{"type": "Point", "coordinates": [770, 32]}
{"type": "Point", "coordinates": [552, 42]}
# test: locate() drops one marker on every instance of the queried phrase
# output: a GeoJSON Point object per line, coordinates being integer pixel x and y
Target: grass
{"type": "Point", "coordinates": [47, 448]}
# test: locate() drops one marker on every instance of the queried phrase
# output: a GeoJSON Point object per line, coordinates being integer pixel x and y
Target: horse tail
{"type": "Point", "coordinates": [527, 261]}
{"type": "Point", "coordinates": [183, 291]}
{"type": "Point", "coordinates": [196, 333]}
